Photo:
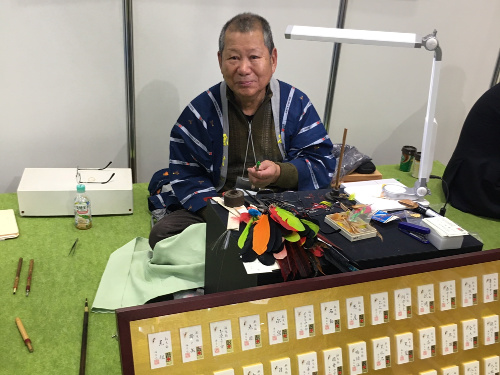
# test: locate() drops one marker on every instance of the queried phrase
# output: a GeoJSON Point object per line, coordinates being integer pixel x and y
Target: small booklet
{"type": "Point", "coordinates": [8, 224]}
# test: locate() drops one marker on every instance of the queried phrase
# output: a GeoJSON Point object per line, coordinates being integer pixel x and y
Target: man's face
{"type": "Point", "coordinates": [246, 64]}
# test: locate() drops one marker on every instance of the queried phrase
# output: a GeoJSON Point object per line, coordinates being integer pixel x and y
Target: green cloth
{"type": "Point", "coordinates": [135, 274]}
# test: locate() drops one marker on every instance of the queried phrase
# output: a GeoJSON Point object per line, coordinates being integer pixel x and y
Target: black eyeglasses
{"type": "Point", "coordinates": [79, 177]}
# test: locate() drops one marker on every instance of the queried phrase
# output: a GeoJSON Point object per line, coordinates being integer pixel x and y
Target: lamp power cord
{"type": "Point", "coordinates": [446, 191]}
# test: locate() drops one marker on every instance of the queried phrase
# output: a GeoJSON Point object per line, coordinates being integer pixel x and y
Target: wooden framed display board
{"type": "Point", "coordinates": [439, 316]}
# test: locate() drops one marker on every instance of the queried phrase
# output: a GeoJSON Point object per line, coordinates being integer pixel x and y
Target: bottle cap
{"type": "Point", "coordinates": [80, 188]}
{"type": "Point", "coordinates": [409, 150]}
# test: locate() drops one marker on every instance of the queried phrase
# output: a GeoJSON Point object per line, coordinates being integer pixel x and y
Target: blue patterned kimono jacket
{"type": "Point", "coordinates": [199, 143]}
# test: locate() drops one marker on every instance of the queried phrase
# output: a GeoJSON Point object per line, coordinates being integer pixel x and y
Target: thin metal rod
{"type": "Point", "coordinates": [129, 85]}
{"type": "Point", "coordinates": [341, 157]}
{"type": "Point", "coordinates": [334, 66]}
{"type": "Point", "coordinates": [83, 352]}
{"type": "Point", "coordinates": [496, 72]}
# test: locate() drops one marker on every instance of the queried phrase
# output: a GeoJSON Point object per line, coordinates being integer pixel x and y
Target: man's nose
{"type": "Point", "coordinates": [244, 66]}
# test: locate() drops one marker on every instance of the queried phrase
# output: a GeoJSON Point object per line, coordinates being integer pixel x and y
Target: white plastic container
{"type": "Point", "coordinates": [438, 237]}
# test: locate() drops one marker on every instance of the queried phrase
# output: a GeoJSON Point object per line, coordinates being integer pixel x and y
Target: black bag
{"type": "Point", "coordinates": [473, 173]}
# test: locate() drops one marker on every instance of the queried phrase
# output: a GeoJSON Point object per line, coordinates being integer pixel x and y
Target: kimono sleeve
{"type": "Point", "coordinates": [307, 144]}
{"type": "Point", "coordinates": [191, 162]}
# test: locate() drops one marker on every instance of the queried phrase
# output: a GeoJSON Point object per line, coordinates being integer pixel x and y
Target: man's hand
{"type": "Point", "coordinates": [265, 174]}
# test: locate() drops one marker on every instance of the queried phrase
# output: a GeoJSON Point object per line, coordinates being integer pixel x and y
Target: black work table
{"type": "Point", "coordinates": [224, 270]}
{"type": "Point", "coordinates": [395, 248]}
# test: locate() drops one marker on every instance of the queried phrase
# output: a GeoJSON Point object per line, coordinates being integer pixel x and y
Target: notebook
{"type": "Point", "coordinates": [8, 225]}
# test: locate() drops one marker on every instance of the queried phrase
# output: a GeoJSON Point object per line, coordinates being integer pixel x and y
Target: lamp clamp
{"type": "Point", "coordinates": [430, 41]}
{"type": "Point", "coordinates": [396, 192]}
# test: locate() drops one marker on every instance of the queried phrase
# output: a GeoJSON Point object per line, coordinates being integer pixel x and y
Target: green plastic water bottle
{"type": "Point", "coordinates": [83, 215]}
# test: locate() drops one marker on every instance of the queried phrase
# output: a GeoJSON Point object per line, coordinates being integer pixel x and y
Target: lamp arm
{"type": "Point", "coordinates": [429, 42]}
{"type": "Point", "coordinates": [430, 129]}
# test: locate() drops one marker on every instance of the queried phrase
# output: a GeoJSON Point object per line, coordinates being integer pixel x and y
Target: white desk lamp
{"type": "Point", "coordinates": [381, 38]}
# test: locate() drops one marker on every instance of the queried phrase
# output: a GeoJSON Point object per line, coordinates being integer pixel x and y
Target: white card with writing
{"type": "Point", "coordinates": [304, 321]}
{"type": "Point", "coordinates": [471, 368]}
{"type": "Point", "coordinates": [333, 361]}
{"type": "Point", "coordinates": [427, 340]}
{"type": "Point", "coordinates": [250, 332]}
{"type": "Point", "coordinates": [469, 291]}
{"type": "Point", "coordinates": [357, 358]}
{"type": "Point", "coordinates": [330, 317]}
{"type": "Point", "coordinates": [490, 324]}
{"type": "Point", "coordinates": [447, 295]}
{"type": "Point", "coordinates": [225, 372]}
{"type": "Point", "coordinates": [379, 303]}
{"type": "Point", "coordinates": [491, 365]}
{"type": "Point", "coordinates": [222, 337]}
{"type": "Point", "coordinates": [490, 287]}
{"type": "Point", "coordinates": [355, 312]}
{"type": "Point", "coordinates": [470, 331]}
{"type": "Point", "coordinates": [402, 303]}
{"type": "Point", "coordinates": [160, 349]}
{"type": "Point", "coordinates": [191, 343]}
{"type": "Point", "coordinates": [277, 322]}
{"type": "Point", "coordinates": [449, 339]}
{"type": "Point", "coordinates": [281, 367]}
{"type": "Point", "coordinates": [404, 347]}
{"type": "Point", "coordinates": [452, 370]}
{"type": "Point", "coordinates": [308, 363]}
{"type": "Point", "coordinates": [425, 299]}
{"type": "Point", "coordinates": [256, 369]}
{"type": "Point", "coordinates": [381, 353]}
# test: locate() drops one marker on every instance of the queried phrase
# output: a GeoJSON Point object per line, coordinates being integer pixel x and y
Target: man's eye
{"type": "Point", "coordinates": [255, 57]}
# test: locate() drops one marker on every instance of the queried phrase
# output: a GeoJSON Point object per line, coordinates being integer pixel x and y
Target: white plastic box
{"type": "Point", "coordinates": [51, 191]}
{"type": "Point", "coordinates": [445, 234]}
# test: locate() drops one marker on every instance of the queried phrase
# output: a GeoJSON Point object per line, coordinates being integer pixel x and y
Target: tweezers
{"type": "Point", "coordinates": [72, 251]}
{"type": "Point", "coordinates": [259, 204]}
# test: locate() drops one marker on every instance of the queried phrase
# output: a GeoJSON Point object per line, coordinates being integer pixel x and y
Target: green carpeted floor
{"type": "Point", "coordinates": [53, 313]}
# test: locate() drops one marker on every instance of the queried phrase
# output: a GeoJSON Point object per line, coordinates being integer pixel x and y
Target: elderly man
{"type": "Point", "coordinates": [250, 129]}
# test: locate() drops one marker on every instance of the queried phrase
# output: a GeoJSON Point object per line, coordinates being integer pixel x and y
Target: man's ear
{"type": "Point", "coordinates": [219, 57]}
{"type": "Point", "coordinates": [274, 59]}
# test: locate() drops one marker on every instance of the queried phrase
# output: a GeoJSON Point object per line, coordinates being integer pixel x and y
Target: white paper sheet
{"type": "Point", "coordinates": [370, 193]}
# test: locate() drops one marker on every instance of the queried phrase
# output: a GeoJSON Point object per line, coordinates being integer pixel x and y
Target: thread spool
{"type": "Point", "coordinates": [234, 198]}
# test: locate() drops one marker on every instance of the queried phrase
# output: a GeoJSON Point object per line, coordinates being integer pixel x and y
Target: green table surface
{"type": "Point", "coordinates": [53, 312]}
